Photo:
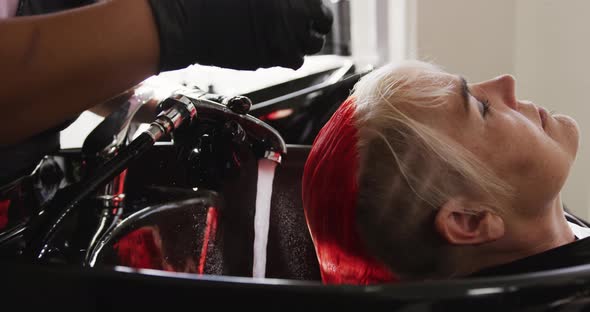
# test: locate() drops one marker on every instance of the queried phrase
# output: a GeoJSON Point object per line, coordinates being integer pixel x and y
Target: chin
{"type": "Point", "coordinates": [568, 122]}
{"type": "Point", "coordinates": [570, 134]}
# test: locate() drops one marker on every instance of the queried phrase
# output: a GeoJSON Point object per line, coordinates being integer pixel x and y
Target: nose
{"type": "Point", "coordinates": [504, 87]}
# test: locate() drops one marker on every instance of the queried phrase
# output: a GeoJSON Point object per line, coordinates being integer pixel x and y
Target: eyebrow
{"type": "Point", "coordinates": [465, 93]}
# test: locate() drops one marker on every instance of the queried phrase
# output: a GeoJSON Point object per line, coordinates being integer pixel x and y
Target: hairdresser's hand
{"type": "Point", "coordinates": [239, 34]}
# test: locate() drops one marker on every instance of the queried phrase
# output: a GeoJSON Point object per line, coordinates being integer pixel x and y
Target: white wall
{"type": "Point", "coordinates": [552, 64]}
{"type": "Point", "coordinates": [382, 31]}
{"type": "Point", "coordinates": [544, 43]}
{"type": "Point", "coordinates": [364, 32]}
{"type": "Point", "coordinates": [471, 37]}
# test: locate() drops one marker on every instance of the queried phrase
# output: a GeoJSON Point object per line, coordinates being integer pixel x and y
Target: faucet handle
{"type": "Point", "coordinates": [214, 114]}
{"type": "Point", "coordinates": [237, 104]}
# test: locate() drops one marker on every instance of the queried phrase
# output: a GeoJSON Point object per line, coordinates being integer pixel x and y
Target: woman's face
{"type": "Point", "coordinates": [521, 142]}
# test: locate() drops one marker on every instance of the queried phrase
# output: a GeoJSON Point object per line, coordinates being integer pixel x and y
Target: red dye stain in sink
{"type": "Point", "coordinates": [4, 205]}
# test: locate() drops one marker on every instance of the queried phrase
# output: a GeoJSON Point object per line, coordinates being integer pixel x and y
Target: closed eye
{"type": "Point", "coordinates": [484, 107]}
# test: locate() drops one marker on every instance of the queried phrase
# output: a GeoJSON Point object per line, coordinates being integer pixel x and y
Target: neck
{"type": "Point", "coordinates": [527, 236]}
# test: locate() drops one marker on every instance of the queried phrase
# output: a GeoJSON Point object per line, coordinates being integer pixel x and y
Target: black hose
{"type": "Point", "coordinates": [44, 227]}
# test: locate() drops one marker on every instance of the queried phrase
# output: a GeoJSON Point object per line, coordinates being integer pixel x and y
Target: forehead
{"type": "Point", "coordinates": [437, 103]}
{"type": "Point", "coordinates": [427, 90]}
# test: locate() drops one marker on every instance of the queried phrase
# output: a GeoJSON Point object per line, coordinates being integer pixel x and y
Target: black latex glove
{"type": "Point", "coordinates": [239, 34]}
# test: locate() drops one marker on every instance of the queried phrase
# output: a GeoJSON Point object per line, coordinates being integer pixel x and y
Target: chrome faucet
{"type": "Point", "coordinates": [232, 113]}
{"type": "Point", "coordinates": [211, 111]}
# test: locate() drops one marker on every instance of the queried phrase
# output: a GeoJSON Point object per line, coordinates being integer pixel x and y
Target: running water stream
{"type": "Point", "coordinates": [266, 172]}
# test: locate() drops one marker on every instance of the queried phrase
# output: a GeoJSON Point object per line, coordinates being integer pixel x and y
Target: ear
{"type": "Point", "coordinates": [462, 222]}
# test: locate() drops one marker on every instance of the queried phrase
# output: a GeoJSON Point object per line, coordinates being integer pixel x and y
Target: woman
{"type": "Point", "coordinates": [420, 175]}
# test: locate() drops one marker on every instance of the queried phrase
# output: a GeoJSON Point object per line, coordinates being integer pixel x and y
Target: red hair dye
{"type": "Point", "coordinates": [329, 193]}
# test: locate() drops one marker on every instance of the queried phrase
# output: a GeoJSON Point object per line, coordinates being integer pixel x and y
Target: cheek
{"type": "Point", "coordinates": [517, 146]}
{"type": "Point", "coordinates": [515, 156]}
{"type": "Point", "coordinates": [522, 156]}
{"type": "Point", "coordinates": [536, 169]}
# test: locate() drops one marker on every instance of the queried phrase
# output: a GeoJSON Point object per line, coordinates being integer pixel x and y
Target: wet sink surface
{"type": "Point", "coordinates": [158, 178]}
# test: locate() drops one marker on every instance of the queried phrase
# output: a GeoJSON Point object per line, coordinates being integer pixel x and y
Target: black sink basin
{"type": "Point", "coordinates": [292, 276]}
{"type": "Point", "coordinates": [159, 183]}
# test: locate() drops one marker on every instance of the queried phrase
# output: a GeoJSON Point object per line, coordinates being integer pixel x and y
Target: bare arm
{"type": "Point", "coordinates": [107, 107]}
{"type": "Point", "coordinates": [56, 66]}
{"type": "Point", "coordinates": [146, 114]}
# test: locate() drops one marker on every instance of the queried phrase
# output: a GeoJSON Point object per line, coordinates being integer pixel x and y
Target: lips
{"type": "Point", "coordinates": [544, 115]}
